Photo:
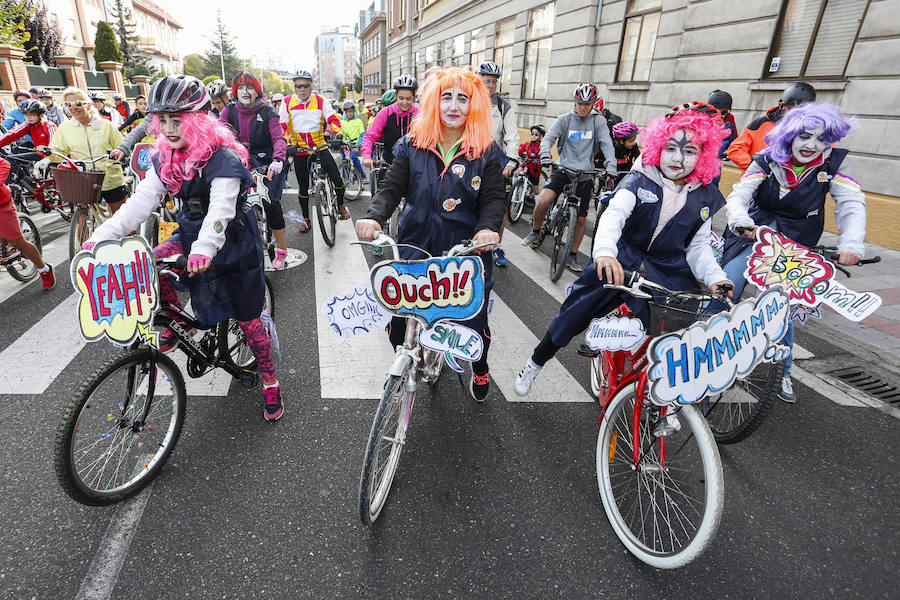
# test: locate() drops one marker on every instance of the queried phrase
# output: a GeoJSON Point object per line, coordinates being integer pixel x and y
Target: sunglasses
{"type": "Point", "coordinates": [76, 104]}
{"type": "Point", "coordinates": [535, 135]}
{"type": "Point", "coordinates": [302, 86]}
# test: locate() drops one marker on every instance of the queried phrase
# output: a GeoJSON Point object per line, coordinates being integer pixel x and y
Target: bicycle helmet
{"type": "Point", "coordinates": [177, 93]}
{"type": "Point", "coordinates": [216, 88]}
{"type": "Point", "coordinates": [42, 93]}
{"type": "Point", "coordinates": [118, 97]}
{"type": "Point", "coordinates": [490, 68]}
{"type": "Point", "coordinates": [277, 97]}
{"type": "Point", "coordinates": [348, 103]}
{"type": "Point", "coordinates": [624, 130]}
{"type": "Point", "coordinates": [598, 105]}
{"type": "Point", "coordinates": [586, 93]}
{"type": "Point", "coordinates": [798, 93]}
{"type": "Point", "coordinates": [32, 107]}
{"type": "Point", "coordinates": [388, 98]}
{"type": "Point", "coordinates": [97, 96]}
{"type": "Point", "coordinates": [720, 99]}
{"type": "Point", "coordinates": [406, 82]}
{"type": "Point", "coordinates": [700, 107]}
{"type": "Point", "coordinates": [539, 128]}
{"type": "Point", "coordinates": [302, 75]}
{"type": "Point", "coordinates": [18, 93]}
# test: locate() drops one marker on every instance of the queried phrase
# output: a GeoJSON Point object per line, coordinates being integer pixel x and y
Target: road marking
{"type": "Point", "coordinates": [101, 577]}
{"type": "Point", "coordinates": [824, 388]}
{"type": "Point", "coordinates": [354, 368]}
{"type": "Point", "coordinates": [55, 253]}
{"type": "Point", "coordinates": [801, 353]}
{"type": "Point", "coordinates": [536, 266]}
{"type": "Point", "coordinates": [510, 348]}
{"type": "Point", "coordinates": [41, 353]}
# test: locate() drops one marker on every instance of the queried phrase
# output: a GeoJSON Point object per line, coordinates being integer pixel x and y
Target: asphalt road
{"type": "Point", "coordinates": [491, 501]}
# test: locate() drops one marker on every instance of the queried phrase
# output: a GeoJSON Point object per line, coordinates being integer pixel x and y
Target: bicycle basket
{"type": "Point", "coordinates": [673, 315]}
{"type": "Point", "coordinates": [78, 187]}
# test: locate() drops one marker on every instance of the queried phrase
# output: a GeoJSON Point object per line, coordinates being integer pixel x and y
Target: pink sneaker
{"type": "Point", "coordinates": [274, 407]}
{"type": "Point", "coordinates": [280, 259]}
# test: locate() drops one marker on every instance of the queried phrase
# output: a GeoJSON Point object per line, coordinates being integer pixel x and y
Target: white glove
{"type": "Point", "coordinates": [274, 168]}
{"type": "Point", "coordinates": [40, 167]}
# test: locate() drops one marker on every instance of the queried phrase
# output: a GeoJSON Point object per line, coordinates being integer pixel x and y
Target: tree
{"type": "Point", "coordinates": [45, 39]}
{"type": "Point", "coordinates": [343, 93]}
{"type": "Point", "coordinates": [12, 23]}
{"type": "Point", "coordinates": [195, 65]}
{"type": "Point", "coordinates": [141, 70]}
{"type": "Point", "coordinates": [128, 39]}
{"type": "Point", "coordinates": [222, 51]}
{"type": "Point", "coordinates": [210, 78]}
{"type": "Point", "coordinates": [106, 48]}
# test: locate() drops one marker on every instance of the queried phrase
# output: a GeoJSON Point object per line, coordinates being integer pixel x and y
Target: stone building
{"type": "Point", "coordinates": [372, 41]}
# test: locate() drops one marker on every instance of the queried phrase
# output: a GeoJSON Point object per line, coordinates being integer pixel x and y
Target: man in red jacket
{"type": "Point", "coordinates": [752, 140]}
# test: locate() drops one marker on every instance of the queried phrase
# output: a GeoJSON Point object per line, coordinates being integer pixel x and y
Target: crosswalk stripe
{"type": "Point", "coordinates": [55, 253]}
{"type": "Point", "coordinates": [215, 383]}
{"type": "Point", "coordinates": [536, 266]}
{"type": "Point", "coordinates": [347, 368]}
{"type": "Point", "coordinates": [40, 354]}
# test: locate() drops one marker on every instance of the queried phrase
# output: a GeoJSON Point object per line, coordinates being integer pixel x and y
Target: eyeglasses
{"type": "Point", "coordinates": [302, 86]}
{"type": "Point", "coordinates": [76, 104]}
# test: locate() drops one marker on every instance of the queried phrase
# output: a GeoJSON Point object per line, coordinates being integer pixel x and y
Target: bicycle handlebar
{"type": "Point", "coordinates": [636, 285]}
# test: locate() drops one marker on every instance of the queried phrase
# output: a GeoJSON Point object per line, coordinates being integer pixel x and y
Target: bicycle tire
{"type": "Point", "coordinates": [517, 200]}
{"type": "Point", "coordinates": [233, 348]}
{"type": "Point", "coordinates": [353, 183]}
{"type": "Point", "coordinates": [84, 409]}
{"type": "Point", "coordinates": [20, 268]}
{"type": "Point", "coordinates": [739, 411]}
{"type": "Point", "coordinates": [323, 212]}
{"type": "Point", "coordinates": [388, 433]}
{"type": "Point", "coordinates": [562, 241]}
{"type": "Point", "coordinates": [693, 445]}
{"type": "Point", "coordinates": [80, 229]}
{"type": "Point", "coordinates": [150, 230]}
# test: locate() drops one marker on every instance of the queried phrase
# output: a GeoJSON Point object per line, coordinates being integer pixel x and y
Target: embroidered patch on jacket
{"type": "Point", "coordinates": [458, 170]}
{"type": "Point", "coordinates": [646, 196]}
{"type": "Point", "coordinates": [823, 176]}
{"type": "Point", "coordinates": [476, 183]}
{"type": "Point", "coordinates": [704, 213]}
{"type": "Point", "coordinates": [812, 213]}
{"type": "Point", "coordinates": [451, 203]}
{"type": "Point", "coordinates": [219, 227]}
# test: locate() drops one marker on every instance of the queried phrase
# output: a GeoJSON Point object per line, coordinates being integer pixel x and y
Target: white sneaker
{"type": "Point", "coordinates": [787, 390]}
{"type": "Point", "coordinates": [525, 378]}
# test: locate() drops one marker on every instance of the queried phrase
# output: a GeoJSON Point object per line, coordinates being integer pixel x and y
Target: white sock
{"type": "Point", "coordinates": [498, 246]}
{"type": "Point", "coordinates": [270, 386]}
{"type": "Point", "coordinates": [44, 269]}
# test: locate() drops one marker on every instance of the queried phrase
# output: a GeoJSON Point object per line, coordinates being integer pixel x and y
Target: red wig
{"type": "Point", "coordinates": [203, 135]}
{"type": "Point", "coordinates": [245, 78]}
{"type": "Point", "coordinates": [708, 135]}
{"type": "Point", "coordinates": [427, 129]}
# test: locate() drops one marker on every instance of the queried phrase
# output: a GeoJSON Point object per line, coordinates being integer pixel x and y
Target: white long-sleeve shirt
{"type": "Point", "coordinates": [223, 195]}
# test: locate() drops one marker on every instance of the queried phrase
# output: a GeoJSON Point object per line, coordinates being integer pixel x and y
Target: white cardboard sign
{"type": "Point", "coordinates": [614, 333]}
{"type": "Point", "coordinates": [355, 313]}
{"type": "Point", "coordinates": [454, 341]}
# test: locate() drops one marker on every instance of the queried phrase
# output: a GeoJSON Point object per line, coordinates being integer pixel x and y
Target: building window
{"type": "Point", "coordinates": [479, 43]}
{"type": "Point", "coordinates": [537, 51]}
{"type": "Point", "coordinates": [431, 55]}
{"type": "Point", "coordinates": [458, 44]}
{"type": "Point", "coordinates": [639, 40]}
{"type": "Point", "coordinates": [503, 52]}
{"type": "Point", "coordinates": [815, 38]}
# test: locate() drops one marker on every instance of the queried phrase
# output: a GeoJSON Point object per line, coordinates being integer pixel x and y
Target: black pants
{"type": "Point", "coordinates": [302, 164]}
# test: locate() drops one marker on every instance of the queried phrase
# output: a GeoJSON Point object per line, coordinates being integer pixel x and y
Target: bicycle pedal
{"type": "Point", "coordinates": [585, 350]}
{"type": "Point", "coordinates": [249, 379]}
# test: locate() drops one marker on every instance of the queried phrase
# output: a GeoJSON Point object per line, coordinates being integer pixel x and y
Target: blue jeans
{"type": "Point", "coordinates": [355, 158]}
{"type": "Point", "coordinates": [735, 272]}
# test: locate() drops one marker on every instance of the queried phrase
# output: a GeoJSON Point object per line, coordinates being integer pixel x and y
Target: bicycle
{"type": "Point", "coordinates": [559, 223]}
{"type": "Point", "coordinates": [258, 199]}
{"type": "Point", "coordinates": [23, 184]}
{"type": "Point", "coordinates": [353, 181]}
{"type": "Point", "coordinates": [412, 365]}
{"type": "Point", "coordinates": [326, 201]}
{"type": "Point", "coordinates": [376, 174]}
{"type": "Point", "coordinates": [737, 412]}
{"type": "Point", "coordinates": [19, 267]}
{"type": "Point", "coordinates": [520, 190]}
{"type": "Point", "coordinates": [122, 424]}
{"type": "Point", "coordinates": [660, 482]}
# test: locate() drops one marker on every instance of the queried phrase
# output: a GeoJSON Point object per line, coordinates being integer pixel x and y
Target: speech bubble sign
{"type": "Point", "coordinates": [355, 313]}
{"type": "Point", "coordinates": [140, 159]}
{"type": "Point", "coordinates": [707, 357]}
{"type": "Point", "coordinates": [454, 341]}
{"type": "Point", "coordinates": [614, 333]}
{"type": "Point", "coordinates": [434, 289]}
{"type": "Point", "coordinates": [807, 278]}
{"type": "Point", "coordinates": [119, 291]}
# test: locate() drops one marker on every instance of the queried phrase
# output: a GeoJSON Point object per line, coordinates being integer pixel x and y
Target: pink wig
{"type": "Point", "coordinates": [708, 135]}
{"type": "Point", "coordinates": [203, 135]}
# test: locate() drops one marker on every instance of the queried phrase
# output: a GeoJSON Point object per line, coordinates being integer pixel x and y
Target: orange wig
{"type": "Point", "coordinates": [427, 129]}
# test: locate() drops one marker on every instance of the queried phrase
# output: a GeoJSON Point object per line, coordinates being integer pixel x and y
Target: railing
{"type": "Point", "coordinates": [96, 81]}
{"type": "Point", "coordinates": [44, 76]}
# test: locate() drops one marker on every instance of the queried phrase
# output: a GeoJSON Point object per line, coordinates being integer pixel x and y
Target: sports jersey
{"type": "Point", "coordinates": [306, 121]}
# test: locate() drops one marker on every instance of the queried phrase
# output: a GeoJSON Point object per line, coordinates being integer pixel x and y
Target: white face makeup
{"type": "Point", "coordinates": [808, 146]}
{"type": "Point", "coordinates": [679, 156]}
{"type": "Point", "coordinates": [454, 107]}
{"type": "Point", "coordinates": [246, 95]}
{"type": "Point", "coordinates": [170, 128]}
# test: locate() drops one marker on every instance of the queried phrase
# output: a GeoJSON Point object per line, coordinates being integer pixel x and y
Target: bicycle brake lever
{"type": "Point", "coordinates": [634, 291]}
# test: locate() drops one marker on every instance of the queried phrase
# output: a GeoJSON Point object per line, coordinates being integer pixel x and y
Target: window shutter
{"type": "Point", "coordinates": [796, 30]}
{"type": "Point", "coordinates": [834, 41]}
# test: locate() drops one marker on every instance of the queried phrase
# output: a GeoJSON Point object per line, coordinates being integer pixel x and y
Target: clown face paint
{"type": "Point", "coordinates": [808, 146]}
{"type": "Point", "coordinates": [170, 128]}
{"type": "Point", "coordinates": [454, 107]}
{"type": "Point", "coordinates": [679, 156]}
{"type": "Point", "coordinates": [246, 95]}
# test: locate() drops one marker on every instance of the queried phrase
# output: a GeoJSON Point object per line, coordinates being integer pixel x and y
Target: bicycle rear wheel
{"type": "Point", "coordinates": [667, 508]}
{"type": "Point", "coordinates": [738, 411]}
{"type": "Point", "coordinates": [564, 233]}
{"type": "Point", "coordinates": [233, 348]}
{"type": "Point", "coordinates": [325, 215]}
{"type": "Point", "coordinates": [106, 451]}
{"type": "Point", "coordinates": [386, 441]}
{"type": "Point", "coordinates": [21, 268]}
{"type": "Point", "coordinates": [517, 201]}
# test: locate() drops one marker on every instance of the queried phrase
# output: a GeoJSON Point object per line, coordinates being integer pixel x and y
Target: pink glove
{"type": "Point", "coordinates": [197, 263]}
{"type": "Point", "coordinates": [88, 245]}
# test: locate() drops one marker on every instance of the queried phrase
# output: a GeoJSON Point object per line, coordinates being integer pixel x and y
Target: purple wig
{"type": "Point", "coordinates": [708, 135]}
{"type": "Point", "coordinates": [807, 117]}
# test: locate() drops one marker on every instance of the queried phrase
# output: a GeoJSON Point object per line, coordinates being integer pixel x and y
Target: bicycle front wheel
{"type": "Point", "coordinates": [738, 411]}
{"type": "Point", "coordinates": [115, 435]}
{"type": "Point", "coordinates": [517, 201]}
{"type": "Point", "coordinates": [666, 508]}
{"type": "Point", "coordinates": [353, 183]}
{"type": "Point", "coordinates": [21, 268]}
{"type": "Point", "coordinates": [386, 441]}
{"type": "Point", "coordinates": [80, 228]}
{"type": "Point", "coordinates": [325, 215]}
{"type": "Point", "coordinates": [563, 235]}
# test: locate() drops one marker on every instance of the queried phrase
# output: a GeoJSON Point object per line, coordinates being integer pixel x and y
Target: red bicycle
{"type": "Point", "coordinates": [24, 186]}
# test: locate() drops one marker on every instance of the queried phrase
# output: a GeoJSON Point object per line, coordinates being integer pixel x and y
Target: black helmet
{"type": "Point", "coordinates": [489, 68]}
{"type": "Point", "coordinates": [720, 99]}
{"type": "Point", "coordinates": [539, 128]}
{"type": "Point", "coordinates": [406, 82]}
{"type": "Point", "coordinates": [177, 93]}
{"type": "Point", "coordinates": [32, 107]}
{"type": "Point", "coordinates": [798, 93]}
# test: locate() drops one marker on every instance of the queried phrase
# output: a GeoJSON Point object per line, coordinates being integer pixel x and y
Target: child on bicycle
{"type": "Point", "coordinates": [531, 151]}
{"type": "Point", "coordinates": [448, 169]}
{"type": "Point", "coordinates": [624, 136]}
{"type": "Point", "coordinates": [658, 222]}
{"type": "Point", "coordinates": [12, 232]}
{"type": "Point", "coordinates": [785, 188]}
{"type": "Point", "coordinates": [199, 161]}
{"type": "Point", "coordinates": [353, 129]}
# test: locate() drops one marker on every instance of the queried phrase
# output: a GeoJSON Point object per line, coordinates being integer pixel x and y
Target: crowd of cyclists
{"type": "Point", "coordinates": [451, 146]}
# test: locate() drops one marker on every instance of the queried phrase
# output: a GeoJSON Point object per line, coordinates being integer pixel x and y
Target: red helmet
{"type": "Point", "coordinates": [586, 93]}
{"type": "Point", "coordinates": [599, 103]}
